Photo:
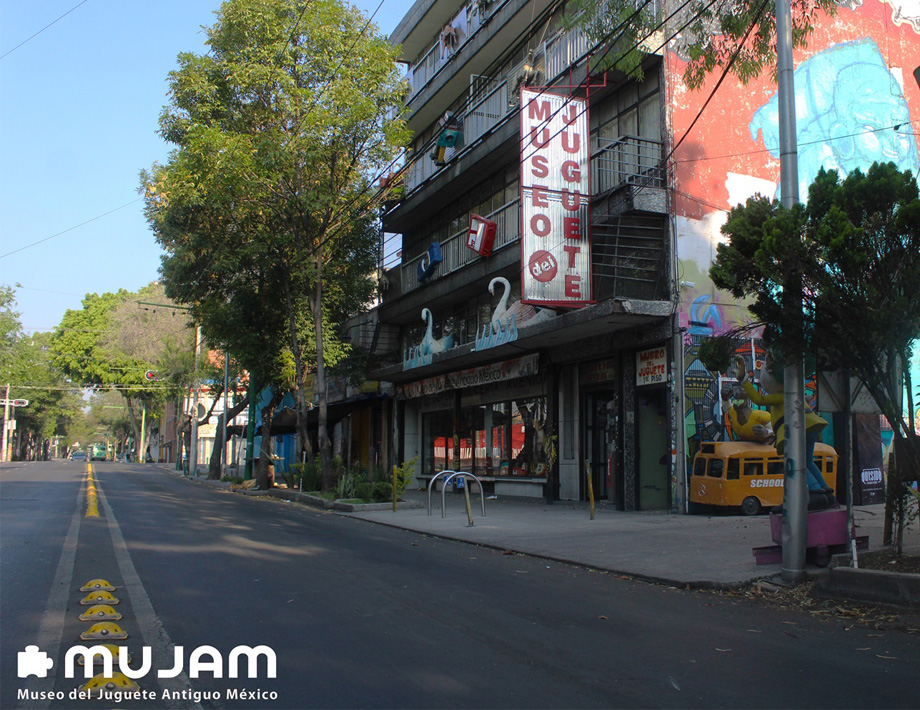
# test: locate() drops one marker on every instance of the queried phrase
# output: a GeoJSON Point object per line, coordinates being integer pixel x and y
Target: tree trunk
{"type": "Point", "coordinates": [265, 474]}
{"type": "Point", "coordinates": [300, 371]}
{"type": "Point", "coordinates": [217, 453]}
{"type": "Point", "coordinates": [138, 434]}
{"type": "Point", "coordinates": [325, 446]}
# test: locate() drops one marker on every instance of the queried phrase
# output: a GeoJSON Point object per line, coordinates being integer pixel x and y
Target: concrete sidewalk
{"type": "Point", "coordinates": [696, 550]}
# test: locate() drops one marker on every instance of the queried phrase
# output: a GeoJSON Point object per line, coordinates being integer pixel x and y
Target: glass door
{"type": "Point", "coordinates": [600, 442]}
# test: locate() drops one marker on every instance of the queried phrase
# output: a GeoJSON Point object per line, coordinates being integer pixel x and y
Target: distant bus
{"type": "Point", "coordinates": [741, 474]}
{"type": "Point", "coordinates": [97, 453]}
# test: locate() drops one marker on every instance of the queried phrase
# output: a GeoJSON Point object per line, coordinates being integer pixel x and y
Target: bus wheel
{"type": "Point", "coordinates": [750, 506]}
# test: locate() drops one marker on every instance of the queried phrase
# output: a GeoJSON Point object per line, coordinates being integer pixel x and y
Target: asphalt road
{"type": "Point", "coordinates": [366, 616]}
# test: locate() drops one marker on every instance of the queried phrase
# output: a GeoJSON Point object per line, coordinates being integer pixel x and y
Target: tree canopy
{"type": "Point", "coordinates": [738, 36]}
{"type": "Point", "coordinates": [856, 243]}
{"type": "Point", "coordinates": [266, 207]}
{"type": "Point", "coordinates": [25, 364]}
{"type": "Point", "coordinates": [116, 338]}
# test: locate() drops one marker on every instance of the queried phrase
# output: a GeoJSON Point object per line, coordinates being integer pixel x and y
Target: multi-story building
{"type": "Point", "coordinates": [553, 282]}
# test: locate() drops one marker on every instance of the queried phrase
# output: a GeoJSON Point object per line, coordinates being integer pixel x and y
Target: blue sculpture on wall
{"type": "Point", "coordinates": [850, 112]}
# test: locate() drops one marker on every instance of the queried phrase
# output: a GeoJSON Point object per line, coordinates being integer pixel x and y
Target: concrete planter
{"type": "Point", "coordinates": [298, 497]}
{"type": "Point", "coordinates": [369, 507]}
{"type": "Point", "coordinates": [340, 506]}
{"type": "Point", "coordinates": [869, 585]}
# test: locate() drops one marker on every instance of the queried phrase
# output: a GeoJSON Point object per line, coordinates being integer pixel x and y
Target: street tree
{"type": "Point", "coordinates": [856, 244]}
{"type": "Point", "coordinates": [112, 342]}
{"type": "Point", "coordinates": [738, 36]}
{"type": "Point", "coordinates": [10, 331]}
{"type": "Point", "coordinates": [26, 373]}
{"type": "Point", "coordinates": [280, 131]}
{"type": "Point", "coordinates": [53, 404]}
{"type": "Point", "coordinates": [109, 412]}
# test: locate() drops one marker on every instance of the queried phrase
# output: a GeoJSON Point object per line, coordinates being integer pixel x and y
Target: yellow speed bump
{"type": "Point", "coordinates": [92, 502]}
{"type": "Point", "coordinates": [94, 585]}
{"type": "Point", "coordinates": [100, 612]}
{"type": "Point", "coordinates": [102, 597]}
{"type": "Point", "coordinates": [100, 684]}
{"type": "Point", "coordinates": [104, 631]}
{"type": "Point", "coordinates": [113, 649]}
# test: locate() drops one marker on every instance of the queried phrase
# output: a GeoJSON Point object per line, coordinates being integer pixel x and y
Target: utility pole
{"type": "Point", "coordinates": [795, 492]}
{"type": "Point", "coordinates": [6, 425]}
{"type": "Point", "coordinates": [193, 448]}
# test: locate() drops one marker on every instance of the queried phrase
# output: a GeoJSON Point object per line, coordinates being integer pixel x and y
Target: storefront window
{"type": "Point", "coordinates": [498, 439]}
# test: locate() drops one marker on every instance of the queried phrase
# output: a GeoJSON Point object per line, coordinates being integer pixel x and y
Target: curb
{"type": "Point", "coordinates": [872, 586]}
{"type": "Point", "coordinates": [339, 506]}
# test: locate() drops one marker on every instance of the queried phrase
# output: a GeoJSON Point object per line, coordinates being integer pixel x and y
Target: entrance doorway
{"type": "Point", "coordinates": [600, 444]}
{"type": "Point", "coordinates": [654, 449]}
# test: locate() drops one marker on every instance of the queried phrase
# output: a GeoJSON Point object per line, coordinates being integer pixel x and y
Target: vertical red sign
{"type": "Point", "coordinates": [555, 200]}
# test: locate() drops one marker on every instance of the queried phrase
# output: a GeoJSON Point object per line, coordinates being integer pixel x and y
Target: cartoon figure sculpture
{"type": "Point", "coordinates": [772, 396]}
{"type": "Point", "coordinates": [748, 424]}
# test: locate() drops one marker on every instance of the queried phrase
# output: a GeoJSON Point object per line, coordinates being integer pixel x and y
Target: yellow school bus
{"type": "Point", "coordinates": [746, 475]}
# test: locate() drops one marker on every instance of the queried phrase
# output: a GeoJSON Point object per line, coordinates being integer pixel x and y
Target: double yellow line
{"type": "Point", "coordinates": [92, 504]}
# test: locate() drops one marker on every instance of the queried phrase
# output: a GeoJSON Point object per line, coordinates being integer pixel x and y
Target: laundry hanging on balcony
{"type": "Point", "coordinates": [451, 134]}
{"type": "Point", "coordinates": [450, 39]}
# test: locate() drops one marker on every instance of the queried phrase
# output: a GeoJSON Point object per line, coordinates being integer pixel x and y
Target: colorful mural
{"type": "Point", "coordinates": [850, 112]}
{"type": "Point", "coordinates": [856, 102]}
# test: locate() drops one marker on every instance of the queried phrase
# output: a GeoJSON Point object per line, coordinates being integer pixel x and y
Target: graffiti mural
{"type": "Point", "coordinates": [856, 102]}
{"type": "Point", "coordinates": [850, 112]}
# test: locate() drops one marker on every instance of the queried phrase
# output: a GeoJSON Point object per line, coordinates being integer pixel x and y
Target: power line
{"type": "Point", "coordinates": [42, 30]}
{"type": "Point", "coordinates": [731, 62]}
{"type": "Point", "coordinates": [896, 128]}
{"type": "Point", "coordinates": [618, 31]}
{"type": "Point", "coordinates": [70, 229]}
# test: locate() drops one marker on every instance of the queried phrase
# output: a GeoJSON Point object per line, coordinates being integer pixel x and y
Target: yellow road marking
{"type": "Point", "coordinates": [92, 503]}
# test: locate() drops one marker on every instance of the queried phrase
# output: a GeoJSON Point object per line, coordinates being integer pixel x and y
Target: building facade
{"type": "Point", "coordinates": [554, 236]}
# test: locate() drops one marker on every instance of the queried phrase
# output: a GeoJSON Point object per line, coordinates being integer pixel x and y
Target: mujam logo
{"type": "Point", "coordinates": [31, 661]}
{"type": "Point", "coordinates": [204, 659]}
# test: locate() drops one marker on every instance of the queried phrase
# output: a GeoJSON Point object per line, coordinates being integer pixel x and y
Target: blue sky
{"type": "Point", "coordinates": [79, 104]}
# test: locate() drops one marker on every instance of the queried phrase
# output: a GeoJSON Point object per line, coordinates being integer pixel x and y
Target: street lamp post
{"type": "Point", "coordinates": [795, 494]}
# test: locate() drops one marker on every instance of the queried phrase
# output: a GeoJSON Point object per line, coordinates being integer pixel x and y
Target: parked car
{"type": "Point", "coordinates": [78, 456]}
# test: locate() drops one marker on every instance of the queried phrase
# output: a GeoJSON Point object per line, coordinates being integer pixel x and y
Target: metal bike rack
{"type": "Point", "coordinates": [448, 476]}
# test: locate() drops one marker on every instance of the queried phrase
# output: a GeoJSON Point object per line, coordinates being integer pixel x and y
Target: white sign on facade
{"type": "Point", "coordinates": [652, 366]}
{"type": "Point", "coordinates": [487, 374]}
{"type": "Point", "coordinates": [555, 200]}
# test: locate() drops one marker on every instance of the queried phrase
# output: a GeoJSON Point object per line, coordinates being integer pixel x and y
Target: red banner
{"type": "Point", "coordinates": [555, 200]}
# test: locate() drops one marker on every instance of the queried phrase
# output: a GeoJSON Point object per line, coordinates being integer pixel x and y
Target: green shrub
{"type": "Point", "coordinates": [383, 491]}
{"type": "Point", "coordinates": [404, 475]}
{"type": "Point", "coordinates": [347, 484]}
{"type": "Point", "coordinates": [310, 474]}
{"type": "Point", "coordinates": [364, 490]}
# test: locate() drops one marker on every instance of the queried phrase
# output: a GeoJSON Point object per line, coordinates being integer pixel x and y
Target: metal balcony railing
{"type": "Point", "coordinates": [488, 106]}
{"type": "Point", "coordinates": [563, 51]}
{"type": "Point", "coordinates": [468, 20]}
{"type": "Point", "coordinates": [626, 160]}
{"type": "Point", "coordinates": [456, 254]}
{"type": "Point", "coordinates": [421, 73]}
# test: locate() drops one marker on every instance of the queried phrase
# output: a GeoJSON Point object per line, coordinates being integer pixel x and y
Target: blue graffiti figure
{"type": "Point", "coordinates": [847, 103]}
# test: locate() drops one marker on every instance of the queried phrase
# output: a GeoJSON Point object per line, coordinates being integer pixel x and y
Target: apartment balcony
{"type": "Point", "coordinates": [449, 46]}
{"type": "Point", "coordinates": [627, 179]}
